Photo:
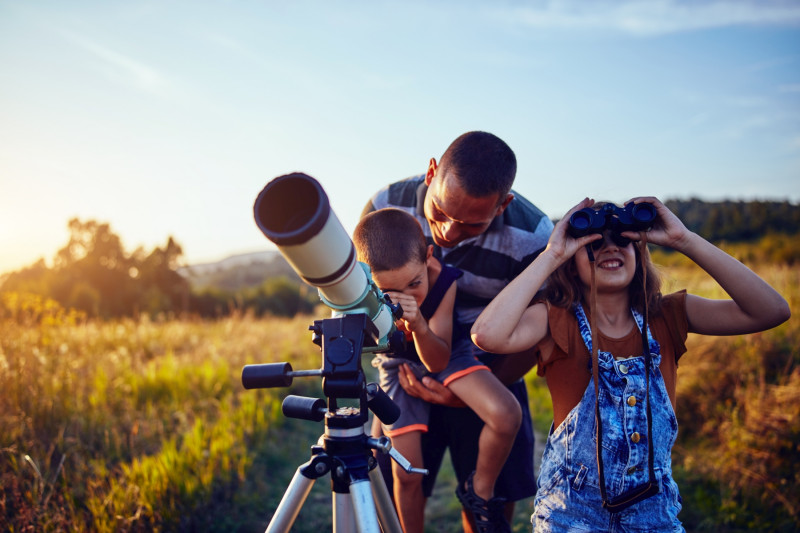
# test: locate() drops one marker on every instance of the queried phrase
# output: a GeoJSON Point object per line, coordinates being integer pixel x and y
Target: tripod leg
{"type": "Point", "coordinates": [383, 501]}
{"type": "Point", "coordinates": [344, 518]}
{"type": "Point", "coordinates": [364, 507]}
{"type": "Point", "coordinates": [291, 503]}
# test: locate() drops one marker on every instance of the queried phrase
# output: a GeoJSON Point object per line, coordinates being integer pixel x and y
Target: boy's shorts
{"type": "Point", "coordinates": [414, 413]}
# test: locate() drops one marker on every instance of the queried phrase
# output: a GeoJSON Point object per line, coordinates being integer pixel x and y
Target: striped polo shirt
{"type": "Point", "coordinates": [490, 260]}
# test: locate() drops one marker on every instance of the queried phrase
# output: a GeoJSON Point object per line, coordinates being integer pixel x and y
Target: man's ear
{"type": "Point", "coordinates": [505, 203]}
{"type": "Point", "coordinates": [432, 166]}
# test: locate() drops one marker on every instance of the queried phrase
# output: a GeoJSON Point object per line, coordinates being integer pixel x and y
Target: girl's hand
{"type": "Point", "coordinates": [561, 246]}
{"type": "Point", "coordinates": [667, 230]}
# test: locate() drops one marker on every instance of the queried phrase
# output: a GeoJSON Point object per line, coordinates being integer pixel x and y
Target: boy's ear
{"type": "Point", "coordinates": [429, 253]}
{"type": "Point", "coordinates": [432, 166]}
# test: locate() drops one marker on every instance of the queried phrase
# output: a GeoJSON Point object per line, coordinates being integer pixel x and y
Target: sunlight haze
{"type": "Point", "coordinates": [167, 118]}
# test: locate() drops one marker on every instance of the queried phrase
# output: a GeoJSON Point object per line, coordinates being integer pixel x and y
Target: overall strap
{"type": "Point", "coordinates": [646, 348]}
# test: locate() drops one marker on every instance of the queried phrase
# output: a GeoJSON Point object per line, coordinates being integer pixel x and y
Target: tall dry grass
{"type": "Point", "coordinates": [132, 425]}
{"type": "Point", "coordinates": [737, 457]}
{"type": "Point", "coordinates": [143, 425]}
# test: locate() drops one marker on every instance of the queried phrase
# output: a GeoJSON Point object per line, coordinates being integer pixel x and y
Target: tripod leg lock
{"type": "Point", "coordinates": [318, 466]}
{"type": "Point", "coordinates": [384, 445]}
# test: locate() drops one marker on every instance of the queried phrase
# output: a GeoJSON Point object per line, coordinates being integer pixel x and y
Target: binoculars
{"type": "Point", "coordinates": [632, 217]}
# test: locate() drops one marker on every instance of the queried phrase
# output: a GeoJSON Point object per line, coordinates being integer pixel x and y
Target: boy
{"type": "Point", "coordinates": [391, 242]}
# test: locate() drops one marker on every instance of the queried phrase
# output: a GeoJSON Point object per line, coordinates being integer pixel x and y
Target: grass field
{"type": "Point", "coordinates": [143, 425]}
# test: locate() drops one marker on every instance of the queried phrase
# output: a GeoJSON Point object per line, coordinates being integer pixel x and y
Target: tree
{"type": "Point", "coordinates": [93, 273]}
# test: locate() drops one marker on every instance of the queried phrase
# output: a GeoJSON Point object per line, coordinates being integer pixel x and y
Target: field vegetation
{"type": "Point", "coordinates": [143, 425]}
{"type": "Point", "coordinates": [140, 422]}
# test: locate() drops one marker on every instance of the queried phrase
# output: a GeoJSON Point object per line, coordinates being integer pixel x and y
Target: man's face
{"type": "Point", "coordinates": [452, 214]}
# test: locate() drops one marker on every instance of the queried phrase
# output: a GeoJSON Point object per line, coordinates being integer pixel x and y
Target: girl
{"type": "Point", "coordinates": [607, 399]}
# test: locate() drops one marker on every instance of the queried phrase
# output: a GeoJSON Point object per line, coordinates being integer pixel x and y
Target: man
{"type": "Point", "coordinates": [477, 224]}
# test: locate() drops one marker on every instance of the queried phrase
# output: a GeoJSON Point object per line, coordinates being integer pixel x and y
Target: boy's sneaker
{"type": "Point", "coordinates": [488, 515]}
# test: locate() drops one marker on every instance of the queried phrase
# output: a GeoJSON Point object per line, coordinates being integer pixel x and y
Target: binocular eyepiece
{"type": "Point", "coordinates": [632, 217]}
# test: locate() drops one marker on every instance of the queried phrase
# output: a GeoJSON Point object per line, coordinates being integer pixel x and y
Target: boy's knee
{"type": "Point", "coordinates": [506, 417]}
{"type": "Point", "coordinates": [513, 418]}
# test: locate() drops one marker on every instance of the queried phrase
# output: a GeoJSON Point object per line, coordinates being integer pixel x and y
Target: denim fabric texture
{"type": "Point", "coordinates": [568, 498]}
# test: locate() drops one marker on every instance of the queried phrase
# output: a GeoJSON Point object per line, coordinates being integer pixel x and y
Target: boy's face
{"type": "Point", "coordinates": [411, 279]}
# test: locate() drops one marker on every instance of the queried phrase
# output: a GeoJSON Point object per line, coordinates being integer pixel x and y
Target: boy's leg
{"type": "Point", "coordinates": [459, 429]}
{"type": "Point", "coordinates": [408, 496]}
{"type": "Point", "coordinates": [499, 410]}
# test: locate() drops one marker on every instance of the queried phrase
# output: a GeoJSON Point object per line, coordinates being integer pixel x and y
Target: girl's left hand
{"type": "Point", "coordinates": [667, 230]}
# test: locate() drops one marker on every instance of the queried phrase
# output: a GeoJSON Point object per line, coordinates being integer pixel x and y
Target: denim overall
{"type": "Point", "coordinates": [569, 498]}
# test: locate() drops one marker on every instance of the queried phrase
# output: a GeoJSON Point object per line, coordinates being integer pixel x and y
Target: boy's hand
{"type": "Point", "coordinates": [427, 389]}
{"type": "Point", "coordinates": [412, 318]}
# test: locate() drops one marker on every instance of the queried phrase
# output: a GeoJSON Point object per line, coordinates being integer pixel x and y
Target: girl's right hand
{"type": "Point", "coordinates": [561, 245]}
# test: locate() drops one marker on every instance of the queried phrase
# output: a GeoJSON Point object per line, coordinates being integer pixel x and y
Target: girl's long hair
{"type": "Point", "coordinates": [564, 288]}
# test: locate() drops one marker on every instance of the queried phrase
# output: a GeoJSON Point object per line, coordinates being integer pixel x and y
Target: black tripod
{"type": "Point", "coordinates": [360, 499]}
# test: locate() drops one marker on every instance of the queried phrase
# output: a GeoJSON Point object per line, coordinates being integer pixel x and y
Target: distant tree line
{"type": "Point", "coordinates": [737, 221]}
{"type": "Point", "coordinates": [94, 274]}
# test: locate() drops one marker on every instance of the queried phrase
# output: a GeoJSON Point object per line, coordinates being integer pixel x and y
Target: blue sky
{"type": "Point", "coordinates": [167, 118]}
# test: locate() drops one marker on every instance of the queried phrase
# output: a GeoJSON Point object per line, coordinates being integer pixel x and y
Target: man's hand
{"type": "Point", "coordinates": [427, 389]}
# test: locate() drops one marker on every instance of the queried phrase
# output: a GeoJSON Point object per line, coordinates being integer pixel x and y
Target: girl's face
{"type": "Point", "coordinates": [616, 265]}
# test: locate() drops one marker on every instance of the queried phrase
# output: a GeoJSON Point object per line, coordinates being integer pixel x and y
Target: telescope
{"type": "Point", "coordinates": [294, 213]}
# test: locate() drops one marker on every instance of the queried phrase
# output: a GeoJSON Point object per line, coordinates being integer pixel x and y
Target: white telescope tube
{"type": "Point", "coordinates": [293, 212]}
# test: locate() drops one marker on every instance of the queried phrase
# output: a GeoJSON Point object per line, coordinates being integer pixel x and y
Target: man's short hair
{"type": "Point", "coordinates": [482, 164]}
{"type": "Point", "coordinates": [388, 239]}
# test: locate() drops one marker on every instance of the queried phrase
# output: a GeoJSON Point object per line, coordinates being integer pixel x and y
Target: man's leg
{"type": "Point", "coordinates": [408, 495]}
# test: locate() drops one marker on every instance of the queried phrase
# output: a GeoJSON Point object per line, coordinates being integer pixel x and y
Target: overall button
{"type": "Point", "coordinates": [623, 369]}
{"type": "Point", "coordinates": [631, 400]}
{"type": "Point", "coordinates": [635, 437]}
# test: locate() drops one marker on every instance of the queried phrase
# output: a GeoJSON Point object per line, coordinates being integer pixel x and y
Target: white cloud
{"type": "Point", "coordinates": [656, 17]}
{"type": "Point", "coordinates": [122, 67]}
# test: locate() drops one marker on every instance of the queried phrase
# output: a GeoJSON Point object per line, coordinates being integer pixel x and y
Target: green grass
{"type": "Point", "coordinates": [143, 425]}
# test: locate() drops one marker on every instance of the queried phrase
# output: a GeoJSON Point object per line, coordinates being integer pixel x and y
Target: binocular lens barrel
{"type": "Point", "coordinates": [580, 221]}
{"type": "Point", "coordinates": [293, 212]}
{"type": "Point", "coordinates": [632, 217]}
{"type": "Point", "coordinates": [643, 214]}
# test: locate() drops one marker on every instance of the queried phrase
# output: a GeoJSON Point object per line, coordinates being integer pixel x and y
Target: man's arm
{"type": "Point", "coordinates": [508, 368]}
{"type": "Point", "coordinates": [511, 367]}
{"type": "Point", "coordinates": [427, 389]}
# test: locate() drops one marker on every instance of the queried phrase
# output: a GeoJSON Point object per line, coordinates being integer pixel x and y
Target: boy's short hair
{"type": "Point", "coordinates": [388, 239]}
{"type": "Point", "coordinates": [482, 163]}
